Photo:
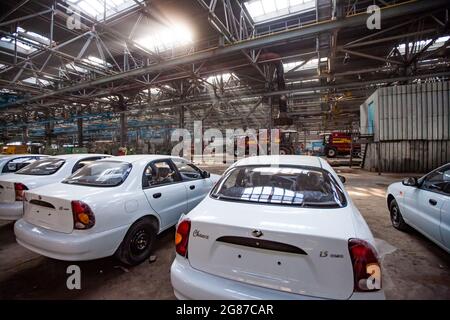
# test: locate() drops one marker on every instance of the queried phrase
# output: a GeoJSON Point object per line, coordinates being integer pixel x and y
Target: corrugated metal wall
{"type": "Point", "coordinates": [408, 156]}
{"type": "Point", "coordinates": [412, 128]}
{"type": "Point", "coordinates": [414, 112]}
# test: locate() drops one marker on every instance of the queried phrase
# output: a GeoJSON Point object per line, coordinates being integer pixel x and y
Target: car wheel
{"type": "Point", "coordinates": [396, 217]}
{"type": "Point", "coordinates": [137, 245]}
{"type": "Point", "coordinates": [331, 153]}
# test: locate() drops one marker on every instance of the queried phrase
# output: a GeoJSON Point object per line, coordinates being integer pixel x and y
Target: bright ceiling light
{"type": "Point", "coordinates": [167, 38]}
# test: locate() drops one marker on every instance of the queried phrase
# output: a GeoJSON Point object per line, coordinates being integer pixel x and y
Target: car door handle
{"type": "Point", "coordinates": [157, 195]}
{"type": "Point", "coordinates": [432, 202]}
{"type": "Point", "coordinates": [192, 187]}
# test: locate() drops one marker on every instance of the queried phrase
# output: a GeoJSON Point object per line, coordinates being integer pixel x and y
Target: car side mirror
{"type": "Point", "coordinates": [410, 182]}
{"type": "Point", "coordinates": [206, 174]}
{"type": "Point", "coordinates": [342, 178]}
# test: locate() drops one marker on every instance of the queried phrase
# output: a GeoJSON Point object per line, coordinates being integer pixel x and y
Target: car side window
{"type": "Point", "coordinates": [438, 181]}
{"type": "Point", "coordinates": [83, 162]}
{"type": "Point", "coordinates": [159, 173]}
{"type": "Point", "coordinates": [187, 170]}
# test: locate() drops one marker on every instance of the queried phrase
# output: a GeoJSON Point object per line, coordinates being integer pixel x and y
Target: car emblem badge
{"type": "Point", "coordinates": [257, 233]}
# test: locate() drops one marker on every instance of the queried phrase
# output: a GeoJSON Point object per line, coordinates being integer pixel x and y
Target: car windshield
{"type": "Point", "coordinates": [297, 186]}
{"type": "Point", "coordinates": [101, 174]}
{"type": "Point", "coordinates": [43, 167]}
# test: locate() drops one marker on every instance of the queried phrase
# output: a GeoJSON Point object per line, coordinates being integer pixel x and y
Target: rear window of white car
{"type": "Point", "coordinates": [296, 186]}
{"type": "Point", "coordinates": [101, 174]}
{"type": "Point", "coordinates": [44, 167]}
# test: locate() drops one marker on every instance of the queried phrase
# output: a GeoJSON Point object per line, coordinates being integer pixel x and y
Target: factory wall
{"type": "Point", "coordinates": [411, 127]}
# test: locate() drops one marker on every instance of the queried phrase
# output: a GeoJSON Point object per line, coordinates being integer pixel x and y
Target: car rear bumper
{"type": "Point", "coordinates": [189, 283]}
{"type": "Point", "coordinates": [11, 210]}
{"type": "Point", "coordinates": [75, 246]}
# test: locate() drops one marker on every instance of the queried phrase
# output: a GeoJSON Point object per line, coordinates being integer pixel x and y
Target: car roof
{"type": "Point", "coordinates": [140, 157]}
{"type": "Point", "coordinates": [78, 155]}
{"type": "Point", "coordinates": [21, 155]}
{"type": "Point", "coordinates": [289, 160]}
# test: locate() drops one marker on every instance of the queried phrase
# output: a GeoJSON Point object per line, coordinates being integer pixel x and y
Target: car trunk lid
{"type": "Point", "coordinates": [297, 250]}
{"type": "Point", "coordinates": [7, 192]}
{"type": "Point", "coordinates": [48, 212]}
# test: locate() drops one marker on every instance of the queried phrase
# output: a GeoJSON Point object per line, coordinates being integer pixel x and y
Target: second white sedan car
{"type": "Point", "coordinates": [112, 206]}
{"type": "Point", "coordinates": [39, 173]}
{"type": "Point", "coordinates": [276, 227]}
{"type": "Point", "coordinates": [423, 204]}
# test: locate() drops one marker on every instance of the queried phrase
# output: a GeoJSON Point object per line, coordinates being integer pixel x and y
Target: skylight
{"type": "Point", "coordinates": [419, 45]}
{"type": "Point", "coordinates": [96, 62]}
{"type": "Point", "coordinates": [74, 68]}
{"type": "Point", "coordinates": [166, 38]}
{"type": "Point", "coordinates": [217, 78]}
{"type": "Point", "coordinates": [102, 9]}
{"type": "Point", "coordinates": [301, 65]}
{"type": "Point", "coordinates": [153, 91]}
{"type": "Point", "coordinates": [37, 81]}
{"type": "Point", "coordinates": [24, 47]}
{"type": "Point", "coordinates": [264, 10]}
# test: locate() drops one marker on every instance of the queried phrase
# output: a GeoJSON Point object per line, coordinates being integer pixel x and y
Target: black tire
{"type": "Point", "coordinates": [284, 151]}
{"type": "Point", "coordinates": [331, 152]}
{"type": "Point", "coordinates": [138, 243]}
{"type": "Point", "coordinates": [396, 217]}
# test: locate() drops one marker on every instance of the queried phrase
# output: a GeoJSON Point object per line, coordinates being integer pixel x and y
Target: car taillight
{"type": "Point", "coordinates": [83, 217]}
{"type": "Point", "coordinates": [20, 189]}
{"type": "Point", "coordinates": [182, 237]}
{"type": "Point", "coordinates": [366, 268]}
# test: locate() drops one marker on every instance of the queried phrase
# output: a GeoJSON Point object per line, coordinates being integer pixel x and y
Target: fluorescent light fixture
{"type": "Point", "coordinates": [166, 38]}
{"type": "Point", "coordinates": [102, 9]}
{"type": "Point", "coordinates": [265, 10]}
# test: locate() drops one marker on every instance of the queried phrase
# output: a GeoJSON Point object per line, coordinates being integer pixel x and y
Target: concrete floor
{"type": "Point", "coordinates": [413, 267]}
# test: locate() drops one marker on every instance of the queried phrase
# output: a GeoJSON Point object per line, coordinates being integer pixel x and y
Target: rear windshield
{"type": "Point", "coordinates": [101, 174]}
{"type": "Point", "coordinates": [296, 186]}
{"type": "Point", "coordinates": [44, 167]}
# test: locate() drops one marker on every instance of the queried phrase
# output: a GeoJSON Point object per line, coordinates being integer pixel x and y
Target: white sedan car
{"type": "Point", "coordinates": [15, 162]}
{"type": "Point", "coordinates": [39, 173]}
{"type": "Point", "coordinates": [423, 204]}
{"type": "Point", "coordinates": [276, 227]}
{"type": "Point", "coordinates": [112, 206]}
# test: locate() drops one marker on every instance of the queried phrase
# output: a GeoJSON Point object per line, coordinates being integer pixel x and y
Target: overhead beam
{"type": "Point", "coordinates": [407, 8]}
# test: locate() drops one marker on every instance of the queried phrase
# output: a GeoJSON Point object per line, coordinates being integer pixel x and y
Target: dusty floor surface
{"type": "Point", "coordinates": [413, 267]}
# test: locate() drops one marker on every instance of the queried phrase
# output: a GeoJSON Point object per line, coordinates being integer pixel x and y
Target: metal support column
{"type": "Point", "coordinates": [80, 132]}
